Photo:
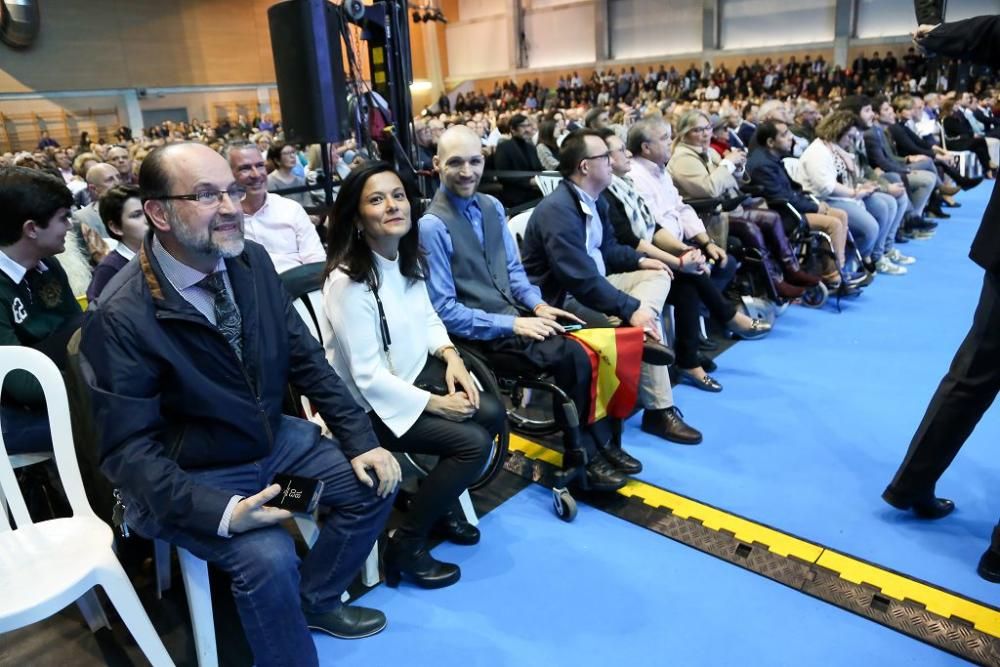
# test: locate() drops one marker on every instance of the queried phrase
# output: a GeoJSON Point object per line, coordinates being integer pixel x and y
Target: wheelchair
{"type": "Point", "coordinates": [511, 378]}
{"type": "Point", "coordinates": [752, 283]}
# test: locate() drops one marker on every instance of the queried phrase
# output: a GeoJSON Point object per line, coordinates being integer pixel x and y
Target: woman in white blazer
{"type": "Point", "coordinates": [394, 354]}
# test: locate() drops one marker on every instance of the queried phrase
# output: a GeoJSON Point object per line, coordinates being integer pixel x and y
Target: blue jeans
{"type": "Point", "coordinates": [863, 226]}
{"type": "Point", "coordinates": [884, 208]}
{"type": "Point", "coordinates": [270, 588]}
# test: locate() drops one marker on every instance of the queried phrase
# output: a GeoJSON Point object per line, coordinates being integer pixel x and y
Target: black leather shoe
{"type": "Point", "coordinates": [669, 424]}
{"type": "Point", "coordinates": [921, 225]}
{"type": "Point", "coordinates": [348, 622]}
{"type": "Point", "coordinates": [925, 508]}
{"type": "Point", "coordinates": [656, 353]}
{"type": "Point", "coordinates": [408, 558]}
{"type": "Point", "coordinates": [707, 344]}
{"type": "Point", "coordinates": [705, 383]}
{"type": "Point", "coordinates": [456, 530]}
{"type": "Point", "coordinates": [622, 461]}
{"type": "Point", "coordinates": [602, 477]}
{"type": "Point", "coordinates": [968, 183]}
{"type": "Point", "coordinates": [902, 237]}
{"type": "Point", "coordinates": [937, 213]}
{"type": "Point", "coordinates": [989, 566]}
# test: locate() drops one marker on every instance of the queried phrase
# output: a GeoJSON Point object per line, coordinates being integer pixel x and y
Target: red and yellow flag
{"type": "Point", "coordinates": [615, 361]}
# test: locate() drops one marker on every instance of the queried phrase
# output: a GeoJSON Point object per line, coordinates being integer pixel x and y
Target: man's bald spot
{"type": "Point", "coordinates": [97, 173]}
{"type": "Point", "coordinates": [458, 139]}
{"type": "Point", "coordinates": [181, 156]}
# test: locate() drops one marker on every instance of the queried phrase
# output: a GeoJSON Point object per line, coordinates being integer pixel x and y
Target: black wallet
{"type": "Point", "coordinates": [298, 494]}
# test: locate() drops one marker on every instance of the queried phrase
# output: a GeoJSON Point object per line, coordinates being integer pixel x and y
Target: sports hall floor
{"type": "Point", "coordinates": [809, 429]}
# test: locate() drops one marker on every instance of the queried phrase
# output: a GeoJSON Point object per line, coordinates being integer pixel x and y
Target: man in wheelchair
{"type": "Point", "coordinates": [482, 294]}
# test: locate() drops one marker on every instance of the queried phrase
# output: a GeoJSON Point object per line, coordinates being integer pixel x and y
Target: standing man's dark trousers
{"type": "Point", "coordinates": [964, 394]}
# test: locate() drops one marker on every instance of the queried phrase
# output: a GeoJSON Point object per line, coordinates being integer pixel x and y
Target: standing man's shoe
{"type": "Point", "coordinates": [669, 424]}
{"type": "Point", "coordinates": [989, 566]}
{"type": "Point", "coordinates": [925, 508]}
{"type": "Point", "coordinates": [348, 622]}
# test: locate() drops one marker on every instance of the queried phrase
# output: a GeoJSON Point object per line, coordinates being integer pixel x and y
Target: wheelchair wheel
{"type": "Point", "coordinates": [815, 297]}
{"type": "Point", "coordinates": [424, 463]}
{"type": "Point", "coordinates": [564, 504]}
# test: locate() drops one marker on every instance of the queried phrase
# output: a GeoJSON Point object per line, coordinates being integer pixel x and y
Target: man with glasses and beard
{"type": "Point", "coordinates": [188, 355]}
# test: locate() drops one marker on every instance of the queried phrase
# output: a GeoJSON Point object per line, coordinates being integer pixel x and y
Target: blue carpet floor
{"type": "Point", "coordinates": [815, 419]}
{"type": "Point", "coordinates": [603, 592]}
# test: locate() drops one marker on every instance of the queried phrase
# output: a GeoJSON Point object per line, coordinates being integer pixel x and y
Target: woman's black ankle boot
{"type": "Point", "coordinates": [407, 557]}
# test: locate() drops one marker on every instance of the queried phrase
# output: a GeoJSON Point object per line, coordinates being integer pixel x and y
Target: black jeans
{"type": "Point", "coordinates": [965, 393]}
{"type": "Point", "coordinates": [462, 448]}
{"type": "Point", "coordinates": [687, 293]}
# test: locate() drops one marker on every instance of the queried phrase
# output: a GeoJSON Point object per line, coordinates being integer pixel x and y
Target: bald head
{"type": "Point", "coordinates": [101, 178]}
{"type": "Point", "coordinates": [459, 160]}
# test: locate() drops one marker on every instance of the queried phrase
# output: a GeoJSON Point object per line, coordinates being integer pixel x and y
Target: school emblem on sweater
{"type": "Point", "coordinates": [50, 293]}
{"type": "Point", "coordinates": [20, 314]}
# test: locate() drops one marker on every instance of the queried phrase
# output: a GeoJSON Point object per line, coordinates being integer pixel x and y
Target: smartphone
{"type": "Point", "coordinates": [298, 494]}
{"type": "Point", "coordinates": [572, 327]}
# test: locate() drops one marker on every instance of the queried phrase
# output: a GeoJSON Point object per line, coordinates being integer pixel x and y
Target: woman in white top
{"type": "Point", "coordinates": [393, 352]}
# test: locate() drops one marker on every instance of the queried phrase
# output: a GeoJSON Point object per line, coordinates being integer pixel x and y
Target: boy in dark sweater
{"type": "Point", "coordinates": [37, 307]}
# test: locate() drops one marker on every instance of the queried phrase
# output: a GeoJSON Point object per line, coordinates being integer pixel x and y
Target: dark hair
{"type": "Point", "coordinates": [111, 204]}
{"type": "Point", "coordinates": [767, 130]}
{"type": "Point", "coordinates": [154, 180]}
{"type": "Point", "coordinates": [517, 120]}
{"type": "Point", "coordinates": [346, 250]}
{"type": "Point", "coordinates": [855, 103]}
{"type": "Point", "coordinates": [274, 152]}
{"type": "Point", "coordinates": [605, 133]}
{"type": "Point", "coordinates": [574, 150]}
{"type": "Point", "coordinates": [547, 136]}
{"type": "Point", "coordinates": [878, 101]}
{"type": "Point", "coordinates": [28, 194]}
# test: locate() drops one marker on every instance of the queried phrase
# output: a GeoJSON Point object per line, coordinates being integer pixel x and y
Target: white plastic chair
{"type": "Point", "coordinates": [548, 181]}
{"type": "Point", "coordinates": [48, 565]}
{"type": "Point", "coordinates": [518, 225]}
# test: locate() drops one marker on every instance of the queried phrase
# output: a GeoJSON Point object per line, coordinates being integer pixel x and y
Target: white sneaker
{"type": "Point", "coordinates": [884, 265]}
{"type": "Point", "coordinates": [897, 257]}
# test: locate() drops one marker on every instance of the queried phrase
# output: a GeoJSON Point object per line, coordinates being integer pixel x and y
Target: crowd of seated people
{"type": "Point", "coordinates": [193, 340]}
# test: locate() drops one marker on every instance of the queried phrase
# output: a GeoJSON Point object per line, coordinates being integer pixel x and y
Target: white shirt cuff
{"type": "Point", "coordinates": [227, 516]}
{"type": "Point", "coordinates": [729, 164]}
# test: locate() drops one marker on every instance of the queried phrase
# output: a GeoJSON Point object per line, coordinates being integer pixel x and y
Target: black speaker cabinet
{"type": "Point", "coordinates": [305, 40]}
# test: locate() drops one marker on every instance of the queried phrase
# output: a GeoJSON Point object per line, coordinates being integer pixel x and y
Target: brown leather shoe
{"type": "Point", "coordinates": [801, 278]}
{"type": "Point", "coordinates": [669, 424]}
{"type": "Point", "coordinates": [787, 291]}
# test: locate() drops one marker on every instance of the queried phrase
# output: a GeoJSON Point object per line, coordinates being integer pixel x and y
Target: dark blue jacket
{"type": "Point", "coordinates": [878, 152]}
{"type": "Point", "coordinates": [169, 394]}
{"type": "Point", "coordinates": [554, 254]}
{"type": "Point", "coordinates": [767, 172]}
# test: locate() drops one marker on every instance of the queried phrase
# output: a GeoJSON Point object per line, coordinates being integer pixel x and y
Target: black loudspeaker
{"type": "Point", "coordinates": [305, 41]}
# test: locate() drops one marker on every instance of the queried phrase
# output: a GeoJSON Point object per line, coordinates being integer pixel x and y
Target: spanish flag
{"type": "Point", "coordinates": [615, 360]}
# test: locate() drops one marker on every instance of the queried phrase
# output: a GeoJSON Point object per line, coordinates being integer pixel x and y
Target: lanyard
{"type": "Point", "coordinates": [384, 327]}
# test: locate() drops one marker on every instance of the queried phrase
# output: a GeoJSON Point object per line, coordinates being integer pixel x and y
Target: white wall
{"type": "Point", "coordinates": [753, 23]}
{"type": "Point", "coordinates": [474, 9]}
{"type": "Point", "coordinates": [480, 47]}
{"type": "Point", "coordinates": [560, 36]}
{"type": "Point", "coordinates": [643, 28]}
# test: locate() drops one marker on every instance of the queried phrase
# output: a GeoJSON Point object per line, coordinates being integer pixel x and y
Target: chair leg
{"type": "Point", "coordinates": [369, 575]}
{"type": "Point", "coordinates": [161, 563]}
{"type": "Point", "coordinates": [467, 509]}
{"type": "Point", "coordinates": [119, 590]}
{"type": "Point", "coordinates": [93, 611]}
{"type": "Point", "coordinates": [199, 595]}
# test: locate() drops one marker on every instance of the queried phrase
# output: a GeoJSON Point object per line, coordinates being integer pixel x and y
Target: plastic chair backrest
{"type": "Point", "coordinates": [323, 323]}
{"type": "Point", "coordinates": [518, 225]}
{"type": "Point", "coordinates": [12, 358]}
{"type": "Point", "coordinates": [548, 181]}
{"type": "Point", "coordinates": [303, 310]}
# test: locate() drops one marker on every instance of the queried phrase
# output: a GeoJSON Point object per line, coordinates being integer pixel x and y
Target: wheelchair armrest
{"type": "Point", "coordinates": [704, 206]}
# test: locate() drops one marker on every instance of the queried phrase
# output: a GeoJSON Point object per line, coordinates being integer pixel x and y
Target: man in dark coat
{"type": "Point", "coordinates": [973, 381]}
{"type": "Point", "coordinates": [192, 348]}
{"type": "Point", "coordinates": [518, 154]}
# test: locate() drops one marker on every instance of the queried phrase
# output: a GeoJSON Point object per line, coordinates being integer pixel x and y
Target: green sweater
{"type": "Point", "coordinates": [30, 312]}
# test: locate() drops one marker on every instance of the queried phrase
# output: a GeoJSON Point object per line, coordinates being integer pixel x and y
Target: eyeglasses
{"type": "Point", "coordinates": [210, 198]}
{"type": "Point", "coordinates": [603, 156]}
{"type": "Point", "coordinates": [703, 128]}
